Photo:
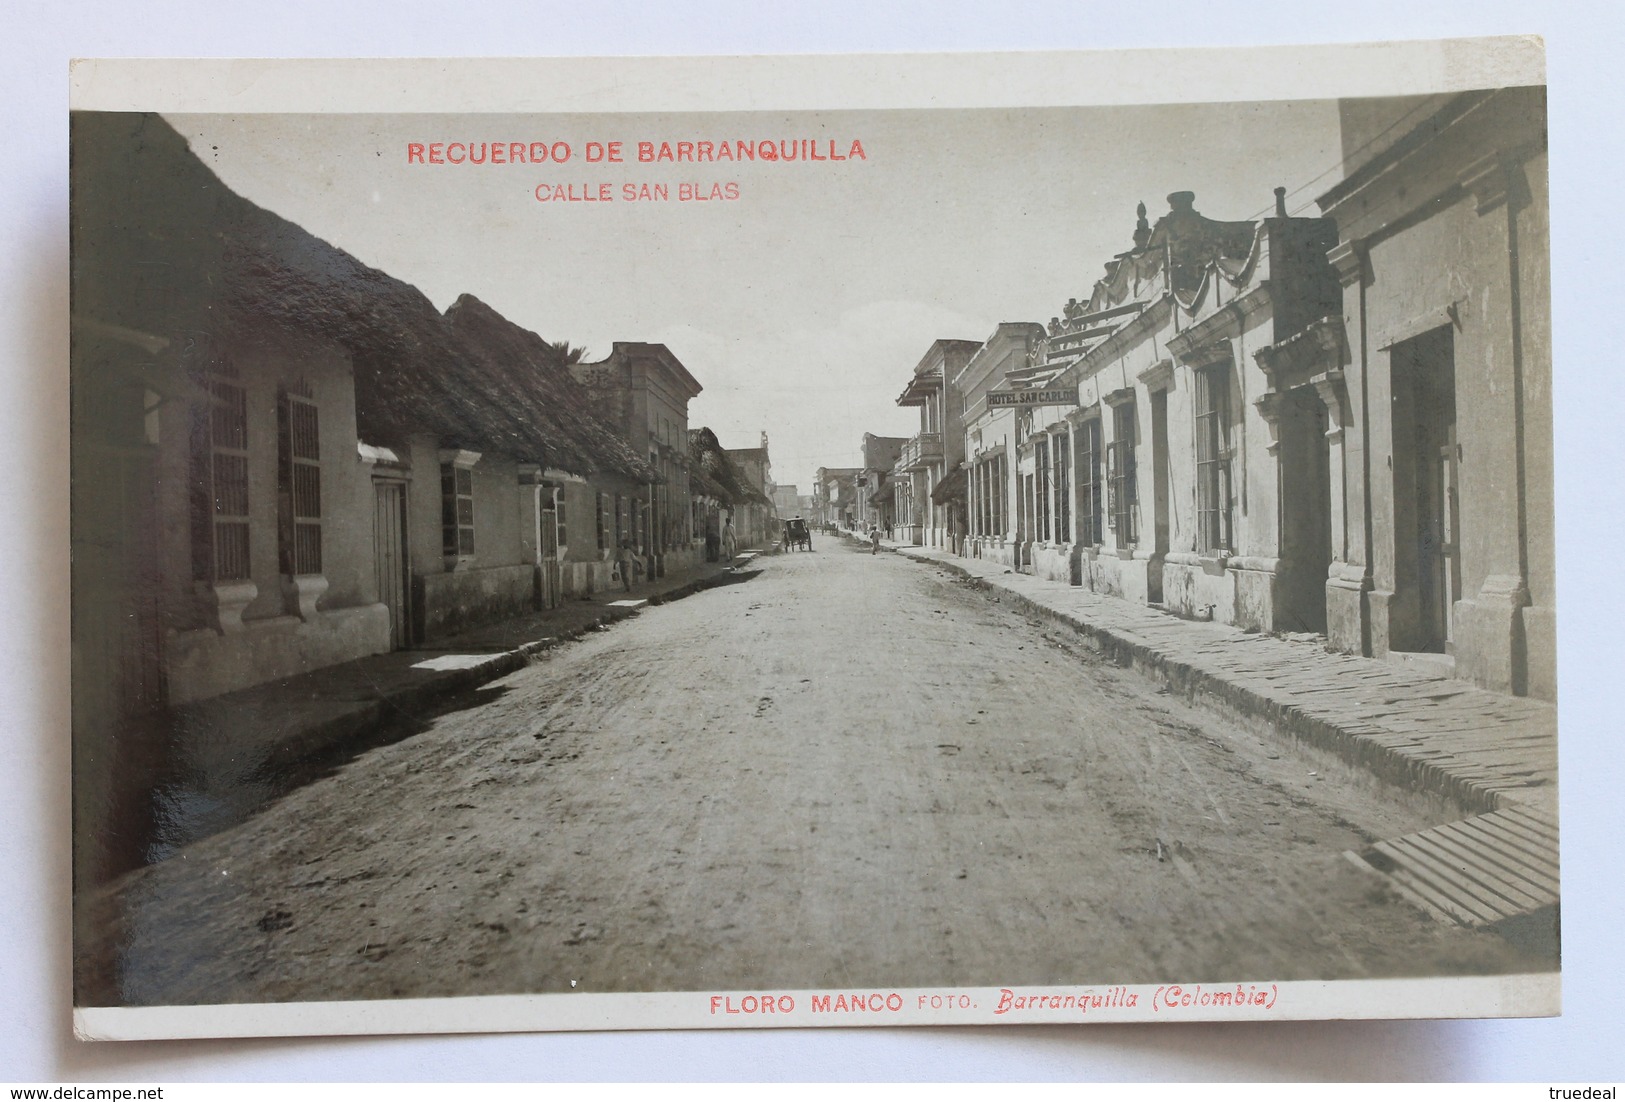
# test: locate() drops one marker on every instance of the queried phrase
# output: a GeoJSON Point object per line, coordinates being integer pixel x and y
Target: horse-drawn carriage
{"type": "Point", "coordinates": [797, 536]}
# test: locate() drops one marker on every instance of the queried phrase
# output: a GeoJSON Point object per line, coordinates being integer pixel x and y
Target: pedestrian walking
{"type": "Point", "coordinates": [729, 543]}
{"type": "Point", "coordinates": [874, 539]}
{"type": "Point", "coordinates": [626, 561]}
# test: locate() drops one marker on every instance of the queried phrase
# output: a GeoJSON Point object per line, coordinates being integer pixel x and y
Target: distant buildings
{"type": "Point", "coordinates": [786, 500]}
{"type": "Point", "coordinates": [876, 483]}
{"type": "Point", "coordinates": [928, 456]}
{"type": "Point", "coordinates": [756, 520]}
{"type": "Point", "coordinates": [644, 391]}
{"type": "Point", "coordinates": [991, 442]}
{"type": "Point", "coordinates": [721, 490]}
{"type": "Point", "coordinates": [835, 496]}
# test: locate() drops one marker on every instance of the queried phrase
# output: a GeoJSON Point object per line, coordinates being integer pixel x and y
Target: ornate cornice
{"type": "Point", "coordinates": [1349, 261]}
{"type": "Point", "coordinates": [1159, 376]}
{"type": "Point", "coordinates": [1320, 346]}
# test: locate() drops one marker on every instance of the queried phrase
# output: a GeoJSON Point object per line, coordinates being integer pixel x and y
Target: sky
{"type": "Point", "coordinates": [802, 305]}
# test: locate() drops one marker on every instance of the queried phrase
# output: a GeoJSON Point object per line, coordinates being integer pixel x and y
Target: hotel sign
{"type": "Point", "coordinates": [1047, 396]}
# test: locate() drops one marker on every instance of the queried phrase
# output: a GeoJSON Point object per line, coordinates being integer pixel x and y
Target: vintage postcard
{"type": "Point", "coordinates": [792, 542]}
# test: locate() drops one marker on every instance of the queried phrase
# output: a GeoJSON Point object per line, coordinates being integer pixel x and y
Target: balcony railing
{"type": "Point", "coordinates": [921, 451]}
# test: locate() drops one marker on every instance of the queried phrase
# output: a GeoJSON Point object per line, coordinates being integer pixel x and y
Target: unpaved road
{"type": "Point", "coordinates": [853, 770]}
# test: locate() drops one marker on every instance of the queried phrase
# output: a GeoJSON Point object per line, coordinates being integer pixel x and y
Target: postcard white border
{"type": "Point", "coordinates": [821, 82]}
{"type": "Point", "coordinates": [1535, 995]}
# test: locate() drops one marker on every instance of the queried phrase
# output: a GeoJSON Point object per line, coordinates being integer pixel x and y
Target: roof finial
{"type": "Point", "coordinates": [1142, 228]}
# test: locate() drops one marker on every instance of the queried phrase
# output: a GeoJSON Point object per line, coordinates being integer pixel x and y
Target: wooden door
{"type": "Point", "coordinates": [389, 556]}
{"type": "Point", "coordinates": [1443, 568]}
{"type": "Point", "coordinates": [547, 549]}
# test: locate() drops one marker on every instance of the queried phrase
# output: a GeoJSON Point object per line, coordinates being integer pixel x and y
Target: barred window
{"type": "Point", "coordinates": [1063, 486]}
{"type": "Point", "coordinates": [219, 497]}
{"type": "Point", "coordinates": [1213, 459]}
{"type": "Point", "coordinates": [990, 472]}
{"type": "Point", "coordinates": [299, 486]}
{"type": "Point", "coordinates": [1041, 487]}
{"type": "Point", "coordinates": [456, 510]}
{"type": "Point", "coordinates": [1120, 484]}
{"type": "Point", "coordinates": [558, 516]}
{"type": "Point", "coordinates": [984, 498]}
{"type": "Point", "coordinates": [1001, 475]}
{"type": "Point", "coordinates": [1091, 492]}
{"type": "Point", "coordinates": [990, 480]}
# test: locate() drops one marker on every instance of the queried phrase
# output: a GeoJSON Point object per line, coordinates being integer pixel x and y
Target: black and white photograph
{"type": "Point", "coordinates": [743, 565]}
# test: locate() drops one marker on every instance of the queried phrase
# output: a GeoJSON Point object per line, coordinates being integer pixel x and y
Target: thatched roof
{"type": "Point", "coordinates": [712, 472]}
{"type": "Point", "coordinates": [527, 380]}
{"type": "Point", "coordinates": [162, 246]}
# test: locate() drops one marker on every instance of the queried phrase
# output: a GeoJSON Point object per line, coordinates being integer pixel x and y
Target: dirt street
{"type": "Point", "coordinates": [852, 770]}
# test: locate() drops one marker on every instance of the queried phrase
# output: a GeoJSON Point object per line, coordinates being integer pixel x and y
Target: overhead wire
{"type": "Point", "coordinates": [1426, 103]}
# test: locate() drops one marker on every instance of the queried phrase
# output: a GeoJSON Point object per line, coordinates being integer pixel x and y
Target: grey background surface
{"type": "Point", "coordinates": [35, 1039]}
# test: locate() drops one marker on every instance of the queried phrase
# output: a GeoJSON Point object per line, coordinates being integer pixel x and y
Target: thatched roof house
{"type": "Point", "coordinates": [161, 244]}
{"type": "Point", "coordinates": [711, 472]}
{"type": "Point", "coordinates": [530, 396]}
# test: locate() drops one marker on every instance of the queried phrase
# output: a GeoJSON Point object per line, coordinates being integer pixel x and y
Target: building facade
{"type": "Point", "coordinates": [937, 448]}
{"type": "Point", "coordinates": [876, 484]}
{"type": "Point", "coordinates": [643, 391]}
{"type": "Point", "coordinates": [992, 436]}
{"type": "Point", "coordinates": [1157, 459]}
{"type": "Point", "coordinates": [551, 489]}
{"type": "Point", "coordinates": [1443, 251]}
{"type": "Point", "coordinates": [755, 520]}
{"type": "Point", "coordinates": [786, 500]}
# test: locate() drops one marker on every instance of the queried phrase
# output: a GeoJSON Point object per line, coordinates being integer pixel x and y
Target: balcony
{"type": "Point", "coordinates": [921, 451]}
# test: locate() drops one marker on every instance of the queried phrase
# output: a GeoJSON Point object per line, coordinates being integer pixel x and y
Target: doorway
{"type": "Point", "coordinates": [1427, 555]}
{"type": "Point", "coordinates": [1159, 495]}
{"type": "Point", "coordinates": [1305, 515]}
{"type": "Point", "coordinates": [549, 581]}
{"type": "Point", "coordinates": [390, 559]}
